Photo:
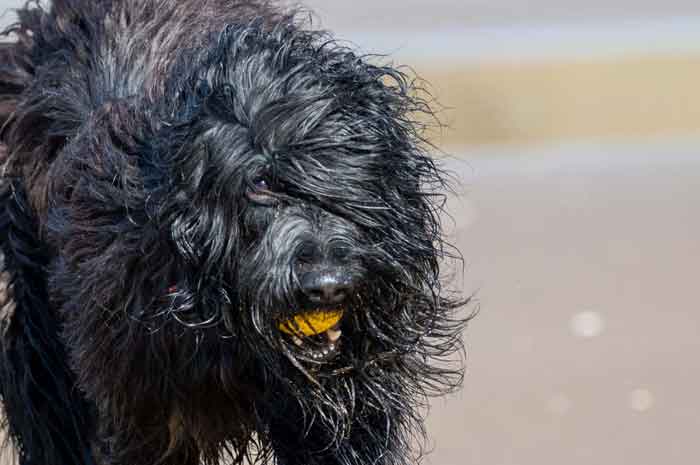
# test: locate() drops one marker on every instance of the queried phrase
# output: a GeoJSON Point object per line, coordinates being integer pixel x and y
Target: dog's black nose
{"type": "Point", "coordinates": [329, 286]}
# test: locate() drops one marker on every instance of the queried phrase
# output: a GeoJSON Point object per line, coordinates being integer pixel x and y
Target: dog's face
{"type": "Point", "coordinates": [315, 243]}
{"type": "Point", "coordinates": [304, 221]}
{"type": "Point", "coordinates": [270, 219]}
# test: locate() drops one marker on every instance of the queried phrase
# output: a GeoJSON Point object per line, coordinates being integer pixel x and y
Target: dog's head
{"type": "Point", "coordinates": [271, 217]}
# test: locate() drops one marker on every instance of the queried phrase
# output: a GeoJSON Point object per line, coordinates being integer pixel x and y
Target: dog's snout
{"type": "Point", "coordinates": [327, 286]}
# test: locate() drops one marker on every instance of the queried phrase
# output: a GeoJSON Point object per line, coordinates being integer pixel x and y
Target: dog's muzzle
{"type": "Point", "coordinates": [316, 330]}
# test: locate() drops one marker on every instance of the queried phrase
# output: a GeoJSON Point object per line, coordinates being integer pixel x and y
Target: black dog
{"type": "Point", "coordinates": [221, 241]}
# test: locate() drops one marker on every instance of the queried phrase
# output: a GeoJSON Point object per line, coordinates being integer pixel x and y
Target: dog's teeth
{"type": "Point", "coordinates": [333, 335]}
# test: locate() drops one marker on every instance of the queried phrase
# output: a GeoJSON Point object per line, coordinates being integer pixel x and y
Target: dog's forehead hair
{"type": "Point", "coordinates": [333, 173]}
{"type": "Point", "coordinates": [308, 107]}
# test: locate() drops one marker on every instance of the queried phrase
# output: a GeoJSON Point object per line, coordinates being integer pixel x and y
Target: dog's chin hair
{"type": "Point", "coordinates": [396, 368]}
{"type": "Point", "coordinates": [169, 175]}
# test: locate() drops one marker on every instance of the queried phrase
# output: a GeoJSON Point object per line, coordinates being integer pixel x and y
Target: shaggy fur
{"type": "Point", "coordinates": [173, 170]}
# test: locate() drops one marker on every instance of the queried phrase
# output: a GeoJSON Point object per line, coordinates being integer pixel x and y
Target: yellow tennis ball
{"type": "Point", "coordinates": [311, 323]}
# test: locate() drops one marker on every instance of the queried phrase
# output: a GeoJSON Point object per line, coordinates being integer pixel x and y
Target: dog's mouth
{"type": "Point", "coordinates": [314, 335]}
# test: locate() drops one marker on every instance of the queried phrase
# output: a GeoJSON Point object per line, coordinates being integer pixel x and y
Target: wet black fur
{"type": "Point", "coordinates": [146, 270]}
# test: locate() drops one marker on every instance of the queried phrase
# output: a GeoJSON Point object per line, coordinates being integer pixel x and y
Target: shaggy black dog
{"type": "Point", "coordinates": [221, 241]}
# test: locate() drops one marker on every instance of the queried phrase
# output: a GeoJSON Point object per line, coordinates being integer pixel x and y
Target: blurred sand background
{"type": "Point", "coordinates": [575, 135]}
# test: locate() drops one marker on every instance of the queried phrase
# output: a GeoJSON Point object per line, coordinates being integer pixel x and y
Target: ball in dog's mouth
{"type": "Point", "coordinates": [315, 333]}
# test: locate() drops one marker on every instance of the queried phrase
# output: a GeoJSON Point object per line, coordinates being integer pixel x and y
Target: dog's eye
{"type": "Point", "coordinates": [260, 191]}
{"type": "Point", "coordinates": [261, 184]}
